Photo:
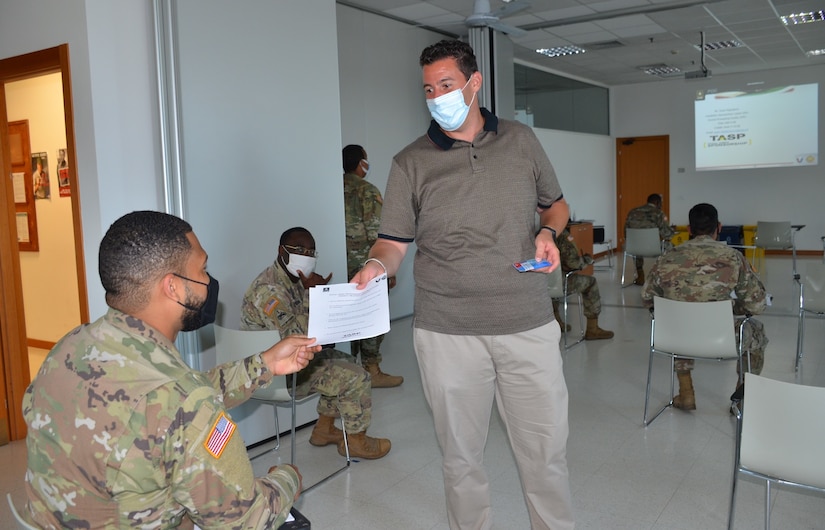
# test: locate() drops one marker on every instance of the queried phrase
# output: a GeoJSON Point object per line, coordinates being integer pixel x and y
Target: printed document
{"type": "Point", "coordinates": [341, 313]}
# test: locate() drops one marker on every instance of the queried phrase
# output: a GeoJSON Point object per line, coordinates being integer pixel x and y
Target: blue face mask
{"type": "Point", "coordinates": [449, 110]}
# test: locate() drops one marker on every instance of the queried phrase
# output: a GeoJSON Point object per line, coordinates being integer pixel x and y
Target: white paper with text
{"type": "Point", "coordinates": [341, 313]}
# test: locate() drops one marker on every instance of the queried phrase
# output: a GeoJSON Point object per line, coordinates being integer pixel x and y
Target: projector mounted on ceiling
{"type": "Point", "coordinates": [704, 72]}
{"type": "Point", "coordinates": [698, 74]}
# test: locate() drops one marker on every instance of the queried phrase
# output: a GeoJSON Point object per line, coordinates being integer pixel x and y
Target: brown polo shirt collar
{"type": "Point", "coordinates": [438, 137]}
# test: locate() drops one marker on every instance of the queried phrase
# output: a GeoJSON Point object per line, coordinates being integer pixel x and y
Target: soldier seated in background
{"type": "Point", "coordinates": [571, 259]}
{"type": "Point", "coordinates": [279, 299]}
{"type": "Point", "coordinates": [649, 215]}
{"type": "Point", "coordinates": [706, 270]}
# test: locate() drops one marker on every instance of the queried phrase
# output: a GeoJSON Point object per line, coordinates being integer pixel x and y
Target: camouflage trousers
{"type": "Point", "coordinates": [344, 388]}
{"type": "Point", "coordinates": [754, 342]}
{"type": "Point", "coordinates": [369, 349]}
{"type": "Point", "coordinates": [589, 289]}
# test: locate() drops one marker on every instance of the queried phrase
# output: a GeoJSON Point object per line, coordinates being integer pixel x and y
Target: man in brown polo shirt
{"type": "Point", "coordinates": [467, 193]}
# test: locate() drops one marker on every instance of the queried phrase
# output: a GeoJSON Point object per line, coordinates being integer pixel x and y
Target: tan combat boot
{"type": "Point", "coordinates": [325, 432]}
{"type": "Point", "coordinates": [640, 277]}
{"type": "Point", "coordinates": [594, 332]}
{"type": "Point", "coordinates": [363, 446]}
{"type": "Point", "coordinates": [558, 316]}
{"type": "Point", "coordinates": [380, 379]}
{"type": "Point", "coordinates": [685, 400]}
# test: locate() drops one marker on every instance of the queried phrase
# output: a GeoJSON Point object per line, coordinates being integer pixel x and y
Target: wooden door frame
{"type": "Point", "coordinates": [13, 344]}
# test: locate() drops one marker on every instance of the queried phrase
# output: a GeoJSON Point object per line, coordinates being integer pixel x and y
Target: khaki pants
{"type": "Point", "coordinates": [461, 374]}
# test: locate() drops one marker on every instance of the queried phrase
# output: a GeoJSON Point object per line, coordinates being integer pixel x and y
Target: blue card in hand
{"type": "Point", "coordinates": [530, 264]}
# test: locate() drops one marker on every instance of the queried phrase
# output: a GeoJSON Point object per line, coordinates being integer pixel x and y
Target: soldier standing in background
{"type": "Point", "coordinates": [362, 207]}
{"type": "Point", "coordinates": [706, 270]}
{"type": "Point", "coordinates": [121, 432]}
{"type": "Point", "coordinates": [572, 260]}
{"type": "Point", "coordinates": [649, 215]}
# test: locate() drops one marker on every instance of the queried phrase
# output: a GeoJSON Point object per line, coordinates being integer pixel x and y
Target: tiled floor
{"type": "Point", "coordinates": [674, 474]}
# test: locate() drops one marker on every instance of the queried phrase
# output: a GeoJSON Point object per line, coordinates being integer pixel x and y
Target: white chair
{"type": "Point", "coordinates": [776, 236]}
{"type": "Point", "coordinates": [691, 330]}
{"type": "Point", "coordinates": [21, 524]}
{"type": "Point", "coordinates": [232, 345]}
{"type": "Point", "coordinates": [640, 243]}
{"type": "Point", "coordinates": [811, 301]}
{"type": "Point", "coordinates": [558, 291]}
{"type": "Point", "coordinates": [779, 437]}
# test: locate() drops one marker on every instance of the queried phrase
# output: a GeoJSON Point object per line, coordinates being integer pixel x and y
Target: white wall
{"type": "Point", "coordinates": [382, 105]}
{"type": "Point", "coordinates": [585, 166]}
{"type": "Point", "coordinates": [741, 196]}
{"type": "Point", "coordinates": [261, 134]}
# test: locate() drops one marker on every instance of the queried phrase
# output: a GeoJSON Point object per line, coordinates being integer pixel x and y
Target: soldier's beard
{"type": "Point", "coordinates": [191, 318]}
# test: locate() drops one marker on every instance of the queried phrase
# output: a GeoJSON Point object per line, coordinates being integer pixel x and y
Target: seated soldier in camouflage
{"type": "Point", "coordinates": [706, 270]}
{"type": "Point", "coordinates": [121, 432]}
{"type": "Point", "coordinates": [571, 259]}
{"type": "Point", "coordinates": [649, 215]}
{"type": "Point", "coordinates": [279, 299]}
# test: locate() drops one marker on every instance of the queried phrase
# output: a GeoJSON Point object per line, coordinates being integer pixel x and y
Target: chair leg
{"type": "Point", "coordinates": [735, 479]}
{"type": "Point", "coordinates": [346, 465]}
{"type": "Point", "coordinates": [732, 507]}
{"type": "Point", "coordinates": [292, 430]}
{"type": "Point", "coordinates": [277, 429]}
{"type": "Point", "coordinates": [767, 505]}
{"type": "Point", "coordinates": [793, 254]}
{"type": "Point", "coordinates": [800, 339]}
{"type": "Point", "coordinates": [624, 262]}
{"type": "Point", "coordinates": [565, 313]}
{"type": "Point", "coordinates": [647, 391]}
{"type": "Point", "coordinates": [277, 433]}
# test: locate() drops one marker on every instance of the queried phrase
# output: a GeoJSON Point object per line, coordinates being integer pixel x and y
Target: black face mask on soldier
{"type": "Point", "coordinates": [201, 315]}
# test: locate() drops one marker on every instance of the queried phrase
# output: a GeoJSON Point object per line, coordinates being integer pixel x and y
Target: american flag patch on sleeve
{"type": "Point", "coordinates": [219, 436]}
{"type": "Point", "coordinates": [270, 306]}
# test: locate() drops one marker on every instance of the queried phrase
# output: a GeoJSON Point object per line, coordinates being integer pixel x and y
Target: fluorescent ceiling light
{"type": "Point", "coordinates": [662, 70]}
{"type": "Point", "coordinates": [814, 53]}
{"type": "Point", "coordinates": [560, 50]}
{"type": "Point", "coordinates": [710, 46]}
{"type": "Point", "coordinates": [803, 18]}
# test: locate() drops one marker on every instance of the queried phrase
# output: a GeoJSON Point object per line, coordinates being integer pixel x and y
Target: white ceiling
{"type": "Point", "coordinates": [641, 32]}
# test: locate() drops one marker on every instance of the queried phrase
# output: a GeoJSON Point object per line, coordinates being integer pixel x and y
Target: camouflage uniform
{"type": "Point", "coordinates": [578, 283]}
{"type": "Point", "coordinates": [362, 208]}
{"type": "Point", "coordinates": [117, 432]}
{"type": "Point", "coordinates": [650, 216]}
{"type": "Point", "coordinates": [704, 270]}
{"type": "Point", "coordinates": [273, 301]}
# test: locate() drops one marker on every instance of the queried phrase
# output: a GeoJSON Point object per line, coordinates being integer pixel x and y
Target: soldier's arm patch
{"type": "Point", "coordinates": [219, 437]}
{"type": "Point", "coordinates": [270, 305]}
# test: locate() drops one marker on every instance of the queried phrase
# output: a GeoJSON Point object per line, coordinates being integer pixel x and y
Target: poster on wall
{"type": "Point", "coordinates": [40, 175]}
{"type": "Point", "coordinates": [65, 190]}
{"type": "Point", "coordinates": [23, 228]}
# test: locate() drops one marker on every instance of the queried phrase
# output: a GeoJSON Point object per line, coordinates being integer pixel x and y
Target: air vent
{"type": "Point", "coordinates": [605, 45]}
